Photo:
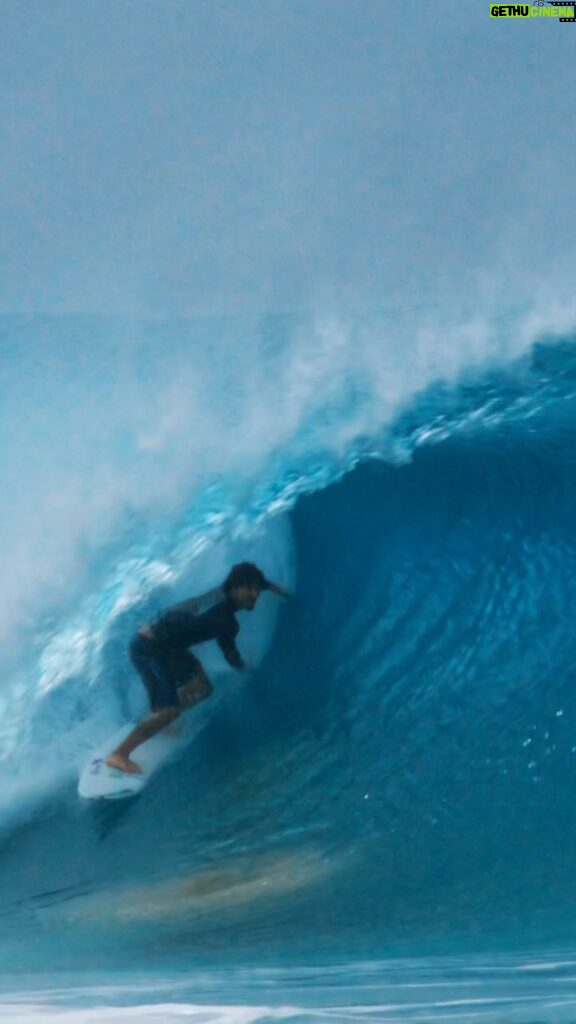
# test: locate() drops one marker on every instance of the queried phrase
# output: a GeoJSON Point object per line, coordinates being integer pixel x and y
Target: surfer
{"type": "Point", "coordinates": [174, 678]}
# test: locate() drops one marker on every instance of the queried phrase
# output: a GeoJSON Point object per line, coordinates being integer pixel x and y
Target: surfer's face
{"type": "Point", "coordinates": [246, 596]}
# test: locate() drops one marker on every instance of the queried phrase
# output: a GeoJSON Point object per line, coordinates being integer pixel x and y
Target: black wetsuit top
{"type": "Point", "coordinates": [208, 617]}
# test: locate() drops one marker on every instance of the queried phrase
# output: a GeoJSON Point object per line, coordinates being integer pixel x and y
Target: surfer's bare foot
{"type": "Point", "coordinates": [124, 764]}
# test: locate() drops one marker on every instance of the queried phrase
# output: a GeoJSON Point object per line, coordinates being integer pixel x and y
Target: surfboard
{"type": "Point", "coordinates": [99, 782]}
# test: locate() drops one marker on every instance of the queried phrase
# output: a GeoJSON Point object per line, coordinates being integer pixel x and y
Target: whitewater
{"type": "Point", "coordinates": [377, 823]}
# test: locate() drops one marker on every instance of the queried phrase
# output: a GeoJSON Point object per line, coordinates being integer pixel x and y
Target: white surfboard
{"type": "Point", "coordinates": [99, 782]}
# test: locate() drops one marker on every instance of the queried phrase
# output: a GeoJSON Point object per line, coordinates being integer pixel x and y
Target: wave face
{"type": "Point", "coordinates": [399, 770]}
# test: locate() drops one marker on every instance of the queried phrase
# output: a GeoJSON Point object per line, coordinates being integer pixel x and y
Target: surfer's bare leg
{"type": "Point", "coordinates": [195, 689]}
{"type": "Point", "coordinates": [120, 758]}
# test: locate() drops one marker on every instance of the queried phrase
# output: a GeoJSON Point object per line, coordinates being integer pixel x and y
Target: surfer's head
{"type": "Point", "coordinates": [243, 585]}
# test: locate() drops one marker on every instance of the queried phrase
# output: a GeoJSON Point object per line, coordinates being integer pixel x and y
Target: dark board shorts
{"type": "Point", "coordinates": [165, 672]}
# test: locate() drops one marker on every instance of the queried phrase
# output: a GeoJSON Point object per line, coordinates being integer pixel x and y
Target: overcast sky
{"type": "Point", "coordinates": [225, 156]}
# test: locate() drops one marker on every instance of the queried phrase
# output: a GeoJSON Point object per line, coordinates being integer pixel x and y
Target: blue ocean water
{"type": "Point", "coordinates": [377, 823]}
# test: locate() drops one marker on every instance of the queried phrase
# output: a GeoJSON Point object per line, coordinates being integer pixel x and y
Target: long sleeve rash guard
{"type": "Point", "coordinates": [208, 617]}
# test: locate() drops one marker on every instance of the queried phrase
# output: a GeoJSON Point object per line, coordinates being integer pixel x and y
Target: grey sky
{"type": "Point", "coordinates": [223, 156]}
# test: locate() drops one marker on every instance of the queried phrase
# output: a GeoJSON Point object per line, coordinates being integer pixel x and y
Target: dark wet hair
{"type": "Point", "coordinates": [245, 574]}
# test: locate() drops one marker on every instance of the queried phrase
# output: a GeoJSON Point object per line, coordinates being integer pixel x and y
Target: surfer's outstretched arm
{"type": "Point", "coordinates": [277, 589]}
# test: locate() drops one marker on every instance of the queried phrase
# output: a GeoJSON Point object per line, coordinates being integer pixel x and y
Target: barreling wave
{"type": "Point", "coordinates": [403, 760]}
